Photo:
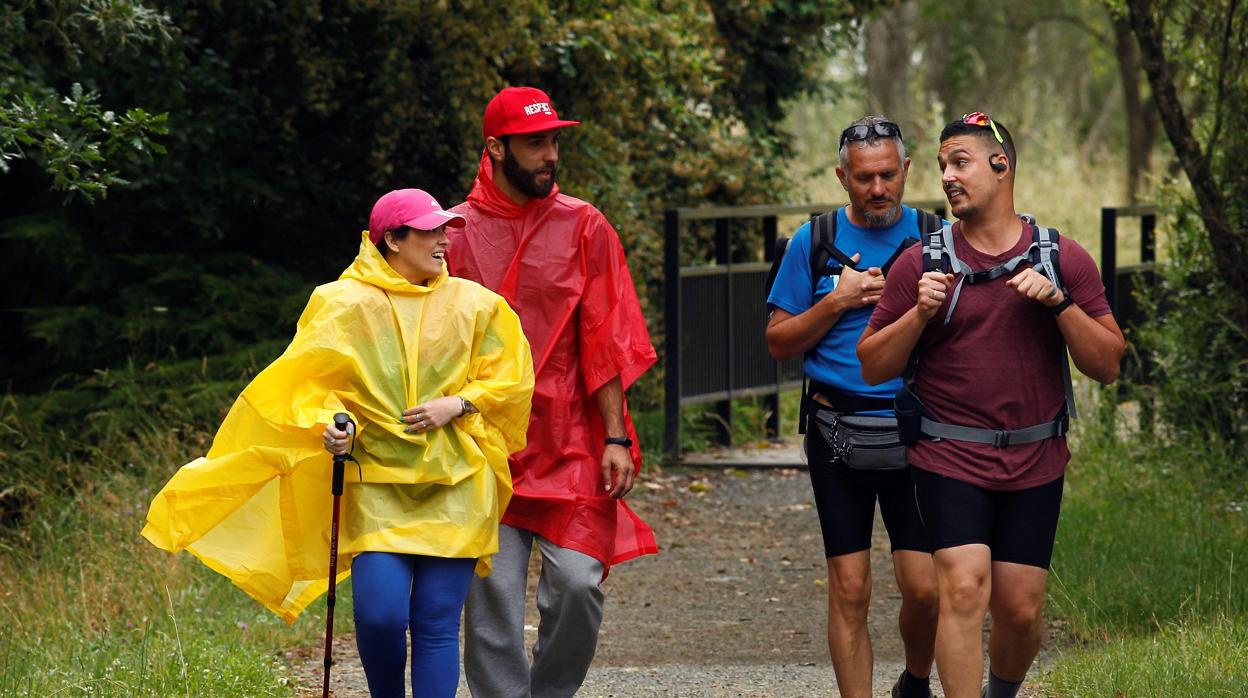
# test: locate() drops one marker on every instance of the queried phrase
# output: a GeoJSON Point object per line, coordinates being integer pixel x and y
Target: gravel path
{"type": "Point", "coordinates": [734, 605]}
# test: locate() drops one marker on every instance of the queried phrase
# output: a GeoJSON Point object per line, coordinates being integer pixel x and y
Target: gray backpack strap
{"type": "Point", "coordinates": [933, 249]}
{"type": "Point", "coordinates": [956, 266]}
{"type": "Point", "coordinates": [1046, 240]}
{"type": "Point", "coordinates": [1046, 245]}
{"type": "Point", "coordinates": [997, 437]}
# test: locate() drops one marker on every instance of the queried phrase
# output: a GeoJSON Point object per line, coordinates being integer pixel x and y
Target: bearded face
{"type": "Point", "coordinates": [535, 181]}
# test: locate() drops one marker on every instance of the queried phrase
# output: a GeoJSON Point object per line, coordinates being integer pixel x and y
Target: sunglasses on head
{"type": "Point", "coordinates": [978, 118]}
{"type": "Point", "coordinates": [861, 132]}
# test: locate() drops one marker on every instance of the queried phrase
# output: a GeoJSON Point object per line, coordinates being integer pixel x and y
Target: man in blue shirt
{"type": "Point", "coordinates": [823, 319]}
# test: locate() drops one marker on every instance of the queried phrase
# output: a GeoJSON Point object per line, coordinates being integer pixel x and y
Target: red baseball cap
{"type": "Point", "coordinates": [413, 208]}
{"type": "Point", "coordinates": [521, 110]}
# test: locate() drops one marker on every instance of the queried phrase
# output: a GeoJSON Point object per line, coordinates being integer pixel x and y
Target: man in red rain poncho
{"type": "Point", "coordinates": [560, 265]}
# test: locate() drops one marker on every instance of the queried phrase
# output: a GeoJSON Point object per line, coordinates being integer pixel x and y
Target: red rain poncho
{"type": "Point", "coordinates": [560, 265]}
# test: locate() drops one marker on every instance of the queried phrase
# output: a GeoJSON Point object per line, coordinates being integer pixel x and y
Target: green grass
{"type": "Point", "coordinates": [88, 607]}
{"type": "Point", "coordinates": [1147, 580]}
{"type": "Point", "coordinates": [1149, 536]}
{"type": "Point", "coordinates": [1206, 658]}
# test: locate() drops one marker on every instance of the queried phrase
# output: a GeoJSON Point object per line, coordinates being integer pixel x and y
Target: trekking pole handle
{"type": "Point", "coordinates": [342, 421]}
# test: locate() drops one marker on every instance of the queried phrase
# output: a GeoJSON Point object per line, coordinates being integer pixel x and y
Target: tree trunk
{"type": "Point", "coordinates": [889, 40]}
{"type": "Point", "coordinates": [1230, 246]}
{"type": "Point", "coordinates": [1140, 111]}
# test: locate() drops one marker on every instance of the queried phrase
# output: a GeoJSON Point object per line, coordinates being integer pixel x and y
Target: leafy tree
{"type": "Point", "coordinates": [287, 118]}
{"type": "Point", "coordinates": [1024, 62]}
{"type": "Point", "coordinates": [79, 143]}
{"type": "Point", "coordinates": [1207, 47]}
{"type": "Point", "coordinates": [1196, 59]}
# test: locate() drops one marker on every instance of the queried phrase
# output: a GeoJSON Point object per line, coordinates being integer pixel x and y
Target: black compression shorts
{"type": "Point", "coordinates": [845, 499]}
{"type": "Point", "coordinates": [1017, 526]}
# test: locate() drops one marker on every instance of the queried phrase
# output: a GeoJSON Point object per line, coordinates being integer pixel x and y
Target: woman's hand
{"type": "Point", "coordinates": [431, 415]}
{"type": "Point", "coordinates": [336, 441]}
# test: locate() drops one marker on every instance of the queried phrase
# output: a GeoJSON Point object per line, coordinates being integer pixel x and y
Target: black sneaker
{"type": "Point", "coordinates": [897, 686]}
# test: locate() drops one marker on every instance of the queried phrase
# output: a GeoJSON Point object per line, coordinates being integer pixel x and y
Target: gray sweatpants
{"type": "Point", "coordinates": [569, 601]}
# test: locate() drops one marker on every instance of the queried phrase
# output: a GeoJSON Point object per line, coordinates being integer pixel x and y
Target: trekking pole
{"type": "Point", "coordinates": [341, 422]}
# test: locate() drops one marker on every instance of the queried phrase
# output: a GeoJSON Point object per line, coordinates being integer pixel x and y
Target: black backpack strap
{"type": "Point", "coordinates": [846, 403]}
{"type": "Point", "coordinates": [928, 222]}
{"type": "Point", "coordinates": [905, 245]}
{"type": "Point", "coordinates": [822, 232]}
{"type": "Point", "coordinates": [823, 247]}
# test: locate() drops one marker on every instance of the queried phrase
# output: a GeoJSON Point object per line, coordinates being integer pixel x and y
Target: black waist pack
{"type": "Point", "coordinates": [863, 442]}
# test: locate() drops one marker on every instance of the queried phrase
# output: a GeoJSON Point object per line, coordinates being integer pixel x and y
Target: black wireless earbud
{"type": "Point", "coordinates": [998, 166]}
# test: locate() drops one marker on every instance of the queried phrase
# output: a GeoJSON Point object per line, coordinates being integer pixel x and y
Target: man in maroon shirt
{"type": "Point", "coordinates": [994, 365]}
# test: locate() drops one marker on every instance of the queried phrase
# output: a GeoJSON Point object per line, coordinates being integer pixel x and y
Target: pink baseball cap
{"type": "Point", "coordinates": [413, 208]}
{"type": "Point", "coordinates": [517, 110]}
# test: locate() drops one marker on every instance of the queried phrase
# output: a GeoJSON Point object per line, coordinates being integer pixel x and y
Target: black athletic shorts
{"type": "Point", "coordinates": [845, 499]}
{"type": "Point", "coordinates": [1017, 526]}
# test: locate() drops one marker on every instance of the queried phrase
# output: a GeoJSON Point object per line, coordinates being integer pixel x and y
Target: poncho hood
{"type": "Point", "coordinates": [371, 268]}
{"type": "Point", "coordinates": [488, 197]}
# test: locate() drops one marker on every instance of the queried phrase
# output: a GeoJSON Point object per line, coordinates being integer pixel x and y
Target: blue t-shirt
{"type": "Point", "coordinates": [834, 360]}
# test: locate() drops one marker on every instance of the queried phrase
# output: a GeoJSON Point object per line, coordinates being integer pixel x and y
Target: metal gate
{"type": "Point", "coordinates": [1123, 282]}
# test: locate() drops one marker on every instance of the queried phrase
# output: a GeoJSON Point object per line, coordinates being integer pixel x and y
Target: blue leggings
{"type": "Point", "coordinates": [394, 591]}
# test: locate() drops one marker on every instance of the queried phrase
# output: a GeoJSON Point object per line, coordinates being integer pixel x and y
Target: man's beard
{"type": "Point", "coordinates": [965, 209]}
{"type": "Point", "coordinates": [526, 180]}
{"type": "Point", "coordinates": [966, 212]}
{"type": "Point", "coordinates": [881, 220]}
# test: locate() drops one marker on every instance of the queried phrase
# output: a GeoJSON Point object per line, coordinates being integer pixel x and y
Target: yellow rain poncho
{"type": "Point", "coordinates": [257, 508]}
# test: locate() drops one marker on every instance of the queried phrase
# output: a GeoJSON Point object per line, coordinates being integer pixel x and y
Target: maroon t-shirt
{"type": "Point", "coordinates": [996, 365]}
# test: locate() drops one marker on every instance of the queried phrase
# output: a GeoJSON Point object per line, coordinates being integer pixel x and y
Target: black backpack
{"type": "Point", "coordinates": [823, 250]}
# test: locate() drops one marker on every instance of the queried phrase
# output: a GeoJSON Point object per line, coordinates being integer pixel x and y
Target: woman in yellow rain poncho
{"type": "Point", "coordinates": [437, 374]}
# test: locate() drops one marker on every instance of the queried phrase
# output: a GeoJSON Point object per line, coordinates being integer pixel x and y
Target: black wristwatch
{"type": "Point", "coordinates": [1066, 303]}
{"type": "Point", "coordinates": [618, 441]}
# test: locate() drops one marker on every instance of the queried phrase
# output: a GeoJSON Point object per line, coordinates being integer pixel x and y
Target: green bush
{"type": "Point", "coordinates": [59, 442]}
{"type": "Point", "coordinates": [1198, 351]}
